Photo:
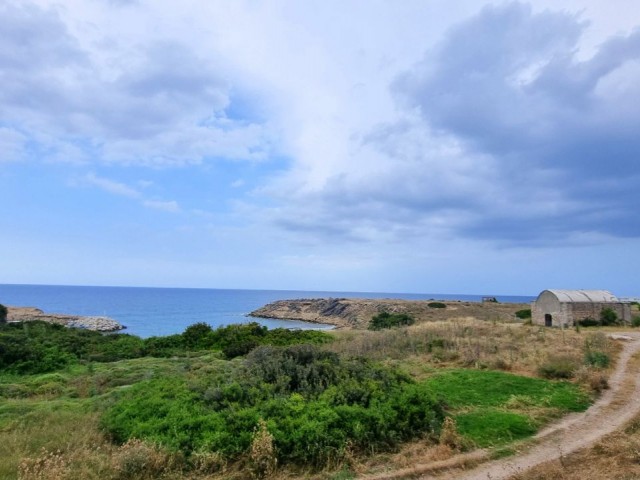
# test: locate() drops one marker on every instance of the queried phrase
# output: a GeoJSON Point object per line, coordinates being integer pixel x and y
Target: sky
{"type": "Point", "coordinates": [362, 145]}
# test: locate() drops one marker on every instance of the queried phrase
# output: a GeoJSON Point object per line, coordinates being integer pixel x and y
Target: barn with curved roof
{"type": "Point", "coordinates": [563, 308]}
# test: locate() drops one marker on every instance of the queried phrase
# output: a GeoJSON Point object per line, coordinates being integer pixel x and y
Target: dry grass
{"type": "Point", "coordinates": [61, 439]}
{"type": "Point", "coordinates": [471, 343]}
{"type": "Point", "coordinates": [616, 456]}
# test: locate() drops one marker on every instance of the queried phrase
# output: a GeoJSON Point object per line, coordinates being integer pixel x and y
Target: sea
{"type": "Point", "coordinates": [147, 312]}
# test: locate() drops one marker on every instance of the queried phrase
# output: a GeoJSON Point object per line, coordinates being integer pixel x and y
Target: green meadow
{"type": "Point", "coordinates": [243, 402]}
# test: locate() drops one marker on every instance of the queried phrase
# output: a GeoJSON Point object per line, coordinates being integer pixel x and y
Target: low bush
{"type": "Point", "coordinates": [390, 320]}
{"type": "Point", "coordinates": [3, 313]}
{"type": "Point", "coordinates": [560, 367]}
{"type": "Point", "coordinates": [197, 336]}
{"type": "Point", "coordinates": [315, 406]}
{"type": "Point", "coordinates": [597, 359]}
{"type": "Point", "coordinates": [635, 321]}
{"type": "Point", "coordinates": [588, 322]}
{"type": "Point", "coordinates": [40, 347]}
{"type": "Point", "coordinates": [608, 317]}
{"type": "Point", "coordinates": [524, 314]}
{"type": "Point", "coordinates": [436, 305]}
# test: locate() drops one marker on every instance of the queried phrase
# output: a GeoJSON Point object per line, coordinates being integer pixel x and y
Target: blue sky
{"type": "Point", "coordinates": [436, 147]}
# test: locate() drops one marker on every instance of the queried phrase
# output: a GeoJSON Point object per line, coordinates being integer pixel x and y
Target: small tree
{"type": "Point", "coordinates": [608, 316]}
{"type": "Point", "coordinates": [390, 320]}
{"type": "Point", "coordinates": [195, 336]}
{"type": "Point", "coordinates": [3, 313]}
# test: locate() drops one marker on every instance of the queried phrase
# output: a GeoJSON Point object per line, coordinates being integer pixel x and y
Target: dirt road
{"type": "Point", "coordinates": [612, 410]}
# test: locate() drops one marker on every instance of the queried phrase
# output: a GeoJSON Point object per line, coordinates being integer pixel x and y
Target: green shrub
{"type": "Point", "coordinates": [40, 347]}
{"type": "Point", "coordinates": [389, 320]}
{"type": "Point", "coordinates": [560, 366]}
{"type": "Point", "coordinates": [239, 347]}
{"type": "Point", "coordinates": [437, 344]}
{"type": "Point", "coordinates": [608, 317]}
{"type": "Point", "coordinates": [316, 406]}
{"type": "Point", "coordinates": [588, 322]}
{"type": "Point", "coordinates": [3, 313]}
{"type": "Point", "coordinates": [436, 305]}
{"type": "Point", "coordinates": [524, 313]}
{"type": "Point", "coordinates": [597, 359]}
{"type": "Point", "coordinates": [197, 336]}
{"type": "Point", "coordinates": [167, 346]}
{"type": "Point", "coordinates": [635, 321]}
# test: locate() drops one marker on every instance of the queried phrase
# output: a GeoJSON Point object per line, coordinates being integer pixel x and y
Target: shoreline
{"type": "Point", "coordinates": [94, 323]}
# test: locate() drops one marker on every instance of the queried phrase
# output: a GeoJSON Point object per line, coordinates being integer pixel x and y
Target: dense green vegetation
{"type": "Point", "coordinates": [482, 403]}
{"type": "Point", "coordinates": [315, 404]}
{"type": "Point", "coordinates": [608, 317]}
{"type": "Point", "coordinates": [39, 347]}
{"type": "Point", "coordinates": [3, 313]}
{"type": "Point", "coordinates": [436, 305]}
{"type": "Point", "coordinates": [524, 314]}
{"type": "Point", "coordinates": [390, 320]}
{"type": "Point", "coordinates": [248, 398]}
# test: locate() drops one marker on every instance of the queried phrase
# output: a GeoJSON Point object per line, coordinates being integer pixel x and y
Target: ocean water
{"type": "Point", "coordinates": [164, 311]}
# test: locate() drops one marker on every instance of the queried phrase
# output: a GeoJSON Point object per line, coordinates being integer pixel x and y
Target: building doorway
{"type": "Point", "coordinates": [548, 320]}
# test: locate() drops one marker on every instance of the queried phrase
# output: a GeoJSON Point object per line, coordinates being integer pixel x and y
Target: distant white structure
{"type": "Point", "coordinates": [563, 308]}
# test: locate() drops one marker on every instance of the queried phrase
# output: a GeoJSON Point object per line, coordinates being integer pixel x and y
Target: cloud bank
{"type": "Point", "coordinates": [503, 134]}
{"type": "Point", "coordinates": [97, 101]}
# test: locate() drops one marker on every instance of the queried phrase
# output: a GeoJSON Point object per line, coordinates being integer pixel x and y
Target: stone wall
{"type": "Point", "coordinates": [567, 313]}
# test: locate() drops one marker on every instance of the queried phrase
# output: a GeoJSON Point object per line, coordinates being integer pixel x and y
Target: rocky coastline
{"type": "Point", "coordinates": [97, 323]}
{"type": "Point", "coordinates": [355, 313]}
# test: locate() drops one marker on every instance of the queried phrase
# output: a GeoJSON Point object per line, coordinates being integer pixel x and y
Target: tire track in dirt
{"type": "Point", "coordinates": [617, 406]}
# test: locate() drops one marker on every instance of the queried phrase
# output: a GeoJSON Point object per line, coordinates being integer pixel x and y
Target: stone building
{"type": "Point", "coordinates": [562, 308]}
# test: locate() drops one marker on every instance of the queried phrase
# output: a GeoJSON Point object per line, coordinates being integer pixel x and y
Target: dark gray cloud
{"type": "Point", "coordinates": [509, 84]}
{"type": "Point", "coordinates": [513, 92]}
{"type": "Point", "coordinates": [539, 143]}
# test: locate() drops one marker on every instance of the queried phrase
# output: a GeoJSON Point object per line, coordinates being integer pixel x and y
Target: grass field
{"type": "Point", "coordinates": [485, 373]}
{"type": "Point", "coordinates": [492, 407]}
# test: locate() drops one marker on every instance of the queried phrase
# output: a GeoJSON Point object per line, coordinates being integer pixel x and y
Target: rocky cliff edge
{"type": "Point", "coordinates": [357, 312]}
{"type": "Point", "coordinates": [97, 323]}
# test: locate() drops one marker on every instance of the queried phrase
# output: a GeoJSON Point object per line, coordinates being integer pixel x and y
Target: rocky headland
{"type": "Point", "coordinates": [97, 323]}
{"type": "Point", "coordinates": [357, 312]}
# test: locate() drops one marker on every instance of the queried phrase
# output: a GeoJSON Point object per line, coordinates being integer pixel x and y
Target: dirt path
{"type": "Point", "coordinates": [618, 405]}
{"type": "Point", "coordinates": [612, 410]}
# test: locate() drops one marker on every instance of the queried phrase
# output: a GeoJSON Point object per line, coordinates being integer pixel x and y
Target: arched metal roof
{"type": "Point", "coordinates": [590, 296]}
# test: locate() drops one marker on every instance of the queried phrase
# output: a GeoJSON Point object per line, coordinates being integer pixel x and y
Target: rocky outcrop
{"type": "Point", "coordinates": [97, 323]}
{"type": "Point", "coordinates": [357, 312]}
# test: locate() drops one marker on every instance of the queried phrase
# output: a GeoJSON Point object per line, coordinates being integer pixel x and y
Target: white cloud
{"type": "Point", "coordinates": [156, 101]}
{"type": "Point", "coordinates": [12, 144]}
{"type": "Point", "coordinates": [110, 186]}
{"type": "Point", "coordinates": [123, 190]}
{"type": "Point", "coordinates": [502, 135]}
